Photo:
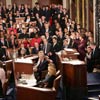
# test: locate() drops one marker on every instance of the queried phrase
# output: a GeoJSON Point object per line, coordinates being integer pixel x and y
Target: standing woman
{"type": "Point", "coordinates": [81, 47]}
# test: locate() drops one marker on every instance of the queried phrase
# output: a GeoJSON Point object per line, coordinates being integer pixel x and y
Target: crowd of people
{"type": "Point", "coordinates": [47, 29]}
{"type": "Point", "coordinates": [43, 31]}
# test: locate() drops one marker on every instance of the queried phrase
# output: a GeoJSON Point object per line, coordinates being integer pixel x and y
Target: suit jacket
{"type": "Point", "coordinates": [48, 48]}
{"type": "Point", "coordinates": [55, 48]}
{"type": "Point", "coordinates": [35, 51]}
{"type": "Point", "coordinates": [11, 45]}
{"type": "Point", "coordinates": [22, 36]}
{"type": "Point", "coordinates": [1, 53]}
{"type": "Point", "coordinates": [3, 44]}
{"type": "Point", "coordinates": [95, 56]}
{"type": "Point", "coordinates": [49, 31]}
{"type": "Point", "coordinates": [43, 65]}
{"type": "Point", "coordinates": [26, 53]}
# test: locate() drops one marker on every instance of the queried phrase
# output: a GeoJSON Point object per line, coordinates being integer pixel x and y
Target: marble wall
{"type": "Point", "coordinates": [97, 22]}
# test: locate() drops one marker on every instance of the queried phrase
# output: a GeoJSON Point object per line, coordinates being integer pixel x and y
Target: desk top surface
{"type": "Point", "coordinates": [73, 62]}
{"type": "Point", "coordinates": [26, 60]}
{"type": "Point", "coordinates": [26, 80]}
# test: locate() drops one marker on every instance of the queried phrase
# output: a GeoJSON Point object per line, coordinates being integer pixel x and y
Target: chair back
{"type": "Point", "coordinates": [56, 83]}
{"type": "Point", "coordinates": [57, 73]}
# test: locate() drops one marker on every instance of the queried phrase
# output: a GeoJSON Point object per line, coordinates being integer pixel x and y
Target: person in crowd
{"type": "Point", "coordinates": [3, 46]}
{"type": "Point", "coordinates": [22, 51]}
{"type": "Point", "coordinates": [13, 42]}
{"type": "Point", "coordinates": [47, 28]}
{"type": "Point", "coordinates": [36, 48]}
{"type": "Point", "coordinates": [55, 46]}
{"type": "Point", "coordinates": [46, 47]}
{"type": "Point", "coordinates": [48, 37]}
{"type": "Point", "coordinates": [88, 58]}
{"type": "Point", "coordinates": [69, 40]}
{"type": "Point", "coordinates": [24, 34]}
{"type": "Point", "coordinates": [42, 64]}
{"type": "Point", "coordinates": [35, 39]}
{"type": "Point", "coordinates": [81, 47]}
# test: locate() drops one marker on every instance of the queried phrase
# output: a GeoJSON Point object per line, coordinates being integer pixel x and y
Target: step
{"type": "Point", "coordinates": [93, 93]}
{"type": "Point", "coordinates": [97, 90]}
{"type": "Point", "coordinates": [93, 87]}
{"type": "Point", "coordinates": [91, 98]}
{"type": "Point", "coordinates": [93, 78]}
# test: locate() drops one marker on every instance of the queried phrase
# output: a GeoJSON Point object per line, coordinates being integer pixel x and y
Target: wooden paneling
{"type": "Point", "coordinates": [56, 1]}
{"type": "Point", "coordinates": [91, 22]}
{"type": "Point", "coordinates": [48, 2]}
{"type": "Point", "coordinates": [75, 80]}
{"type": "Point", "coordinates": [44, 2]}
{"type": "Point", "coordinates": [29, 2]}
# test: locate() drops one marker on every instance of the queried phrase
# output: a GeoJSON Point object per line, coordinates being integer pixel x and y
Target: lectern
{"type": "Point", "coordinates": [74, 79]}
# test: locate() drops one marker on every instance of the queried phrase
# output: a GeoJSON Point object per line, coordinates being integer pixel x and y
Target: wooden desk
{"type": "Point", "coordinates": [24, 65]}
{"type": "Point", "coordinates": [35, 93]}
{"type": "Point", "coordinates": [29, 92]}
{"type": "Point", "coordinates": [26, 80]}
{"type": "Point", "coordinates": [68, 53]}
{"type": "Point", "coordinates": [75, 79]}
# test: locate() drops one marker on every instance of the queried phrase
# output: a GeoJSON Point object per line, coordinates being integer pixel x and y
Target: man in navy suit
{"type": "Point", "coordinates": [42, 64]}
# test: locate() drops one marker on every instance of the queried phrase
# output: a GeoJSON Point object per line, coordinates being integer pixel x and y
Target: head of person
{"type": "Point", "coordinates": [51, 69]}
{"type": "Point", "coordinates": [65, 42]}
{"type": "Point", "coordinates": [54, 39]}
{"type": "Point", "coordinates": [88, 49]}
{"type": "Point", "coordinates": [41, 54]}
{"type": "Point", "coordinates": [93, 45]}
{"type": "Point", "coordinates": [36, 44]}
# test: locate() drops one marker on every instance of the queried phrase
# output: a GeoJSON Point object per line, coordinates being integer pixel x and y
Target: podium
{"type": "Point", "coordinates": [74, 79]}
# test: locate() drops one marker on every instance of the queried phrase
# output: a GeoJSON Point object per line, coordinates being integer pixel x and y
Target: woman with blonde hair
{"type": "Point", "coordinates": [49, 78]}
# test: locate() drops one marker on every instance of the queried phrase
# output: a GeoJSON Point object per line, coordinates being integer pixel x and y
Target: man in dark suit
{"type": "Point", "coordinates": [95, 56]}
{"type": "Point", "coordinates": [46, 47]}
{"type": "Point", "coordinates": [36, 48]}
{"type": "Point", "coordinates": [42, 64]}
{"type": "Point", "coordinates": [23, 34]}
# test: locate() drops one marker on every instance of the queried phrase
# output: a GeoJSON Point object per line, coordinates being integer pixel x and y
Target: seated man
{"type": "Point", "coordinates": [42, 64]}
{"type": "Point", "coordinates": [23, 51]}
{"type": "Point", "coordinates": [49, 78]}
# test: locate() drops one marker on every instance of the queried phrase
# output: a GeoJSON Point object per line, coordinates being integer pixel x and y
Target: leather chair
{"type": "Point", "coordinates": [36, 93]}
